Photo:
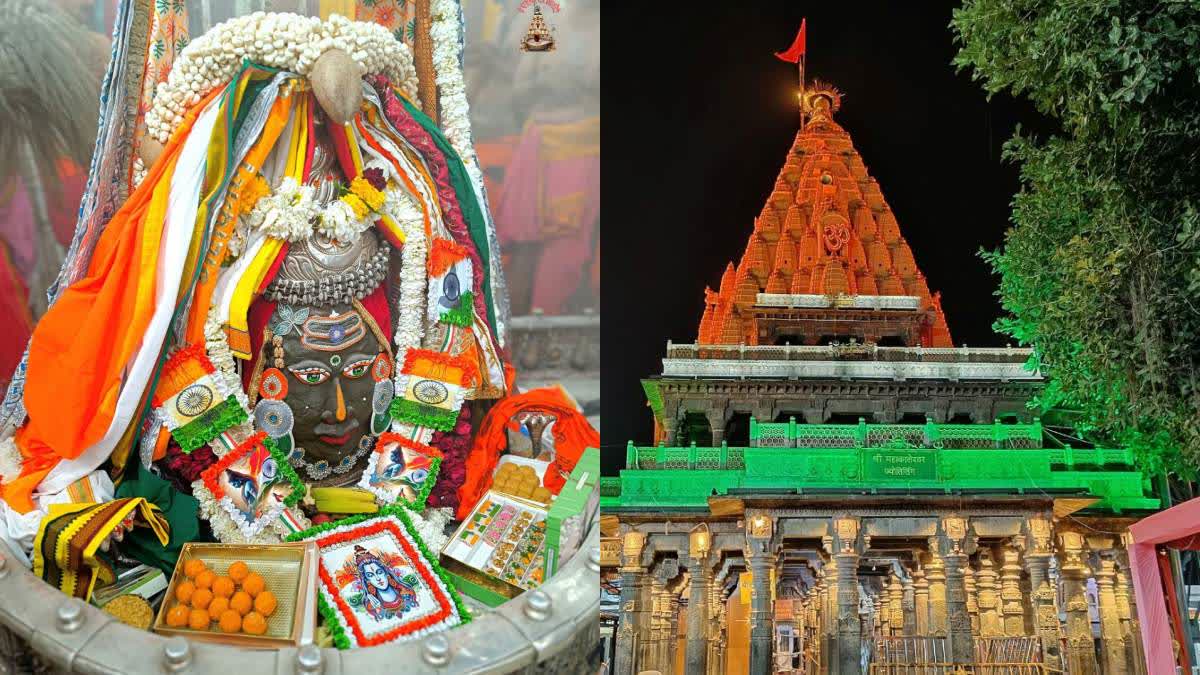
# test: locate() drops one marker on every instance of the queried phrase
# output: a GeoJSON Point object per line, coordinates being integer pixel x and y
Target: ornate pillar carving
{"type": "Point", "coordinates": [908, 606]}
{"type": "Point", "coordinates": [1081, 658]}
{"type": "Point", "coordinates": [896, 605]}
{"type": "Point", "coordinates": [990, 624]}
{"type": "Point", "coordinates": [921, 600]}
{"type": "Point", "coordinates": [633, 605]}
{"type": "Point", "coordinates": [1112, 640]}
{"type": "Point", "coordinates": [972, 597]}
{"type": "Point", "coordinates": [760, 558]}
{"type": "Point", "coordinates": [845, 543]}
{"type": "Point", "coordinates": [700, 571]}
{"type": "Point", "coordinates": [651, 651]}
{"type": "Point", "coordinates": [672, 631]}
{"type": "Point", "coordinates": [1128, 612]}
{"type": "Point", "coordinates": [714, 627]}
{"type": "Point", "coordinates": [881, 609]}
{"type": "Point", "coordinates": [1012, 604]}
{"type": "Point", "coordinates": [954, 542]}
{"type": "Point", "coordinates": [660, 622]}
{"type": "Point", "coordinates": [1035, 542]}
{"type": "Point", "coordinates": [716, 423]}
{"type": "Point", "coordinates": [935, 573]}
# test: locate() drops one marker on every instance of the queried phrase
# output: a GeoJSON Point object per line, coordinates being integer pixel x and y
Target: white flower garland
{"type": "Point", "coordinates": [292, 213]}
{"type": "Point", "coordinates": [288, 41]}
{"type": "Point", "coordinates": [452, 90]}
{"type": "Point", "coordinates": [410, 325]}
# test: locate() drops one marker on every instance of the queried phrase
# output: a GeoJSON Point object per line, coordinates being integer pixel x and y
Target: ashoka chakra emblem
{"type": "Point", "coordinates": [430, 392]}
{"type": "Point", "coordinates": [194, 400]}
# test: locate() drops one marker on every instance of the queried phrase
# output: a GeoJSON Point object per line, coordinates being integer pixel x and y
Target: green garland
{"type": "Point", "coordinates": [421, 415]}
{"type": "Point", "coordinates": [212, 423]}
{"type": "Point", "coordinates": [463, 315]}
{"type": "Point", "coordinates": [399, 511]}
{"type": "Point", "coordinates": [285, 468]}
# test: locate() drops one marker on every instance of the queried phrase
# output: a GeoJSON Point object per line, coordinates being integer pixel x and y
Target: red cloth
{"type": "Point", "coordinates": [793, 53]}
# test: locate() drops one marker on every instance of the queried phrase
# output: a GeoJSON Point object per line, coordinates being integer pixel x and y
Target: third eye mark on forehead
{"type": "Point", "coordinates": [336, 361]}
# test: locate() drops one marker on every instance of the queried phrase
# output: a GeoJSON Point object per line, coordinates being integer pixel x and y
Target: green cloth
{"type": "Point", "coordinates": [179, 509]}
{"type": "Point", "coordinates": [472, 213]}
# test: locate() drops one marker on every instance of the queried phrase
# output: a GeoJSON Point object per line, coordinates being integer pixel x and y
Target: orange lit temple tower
{"type": "Point", "coordinates": [832, 477]}
{"type": "Point", "coordinates": [825, 237]}
{"type": "Point", "coordinates": [826, 317]}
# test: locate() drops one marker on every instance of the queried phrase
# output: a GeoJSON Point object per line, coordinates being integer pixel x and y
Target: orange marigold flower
{"type": "Point", "coordinates": [367, 192]}
{"type": "Point", "coordinates": [254, 189]}
{"type": "Point", "coordinates": [361, 210]}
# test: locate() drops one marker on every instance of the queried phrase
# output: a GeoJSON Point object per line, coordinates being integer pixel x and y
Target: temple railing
{"type": "Point", "coordinates": [848, 361]}
{"type": "Point", "coordinates": [849, 351]}
{"type": "Point", "coordinates": [806, 301]}
{"type": "Point", "coordinates": [685, 477]}
{"type": "Point", "coordinates": [791, 434]}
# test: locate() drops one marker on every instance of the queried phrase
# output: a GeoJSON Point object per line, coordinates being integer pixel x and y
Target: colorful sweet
{"type": "Point", "coordinates": [177, 617]}
{"type": "Point", "coordinates": [231, 621]}
{"type": "Point", "coordinates": [205, 579]}
{"type": "Point", "coordinates": [254, 623]}
{"type": "Point", "coordinates": [217, 607]}
{"type": "Point", "coordinates": [183, 592]}
{"type": "Point", "coordinates": [253, 584]}
{"type": "Point", "coordinates": [241, 602]}
{"type": "Point", "coordinates": [198, 619]}
{"type": "Point", "coordinates": [193, 567]}
{"type": "Point", "coordinates": [265, 603]}
{"type": "Point", "coordinates": [223, 587]}
{"type": "Point", "coordinates": [201, 598]}
{"type": "Point", "coordinates": [238, 571]}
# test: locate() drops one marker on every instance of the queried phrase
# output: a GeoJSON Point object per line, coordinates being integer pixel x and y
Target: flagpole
{"type": "Point", "coordinates": [800, 67]}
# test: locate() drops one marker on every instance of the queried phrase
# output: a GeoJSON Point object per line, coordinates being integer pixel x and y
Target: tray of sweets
{"type": "Point", "coordinates": [499, 543]}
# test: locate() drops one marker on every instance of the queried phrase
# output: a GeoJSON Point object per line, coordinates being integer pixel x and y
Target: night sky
{"type": "Point", "coordinates": [698, 117]}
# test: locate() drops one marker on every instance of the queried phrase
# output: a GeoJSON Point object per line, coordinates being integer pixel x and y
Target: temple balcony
{"type": "Point", "coordinates": [881, 461]}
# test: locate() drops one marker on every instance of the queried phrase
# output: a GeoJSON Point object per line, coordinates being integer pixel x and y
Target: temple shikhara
{"type": "Point", "coordinates": [835, 487]}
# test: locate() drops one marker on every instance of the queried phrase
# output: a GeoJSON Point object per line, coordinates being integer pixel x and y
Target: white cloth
{"type": "Point", "coordinates": [18, 530]}
{"type": "Point", "coordinates": [179, 224]}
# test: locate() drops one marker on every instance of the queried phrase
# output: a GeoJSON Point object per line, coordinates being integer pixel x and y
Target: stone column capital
{"type": "Point", "coordinates": [632, 543]}
{"type": "Point", "coordinates": [845, 537]}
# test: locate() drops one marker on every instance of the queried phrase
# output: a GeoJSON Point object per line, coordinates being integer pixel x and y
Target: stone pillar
{"type": "Point", "coordinates": [714, 627]}
{"type": "Point", "coordinates": [1129, 622]}
{"type": "Point", "coordinates": [1081, 659]}
{"type": "Point", "coordinates": [972, 597]}
{"type": "Point", "coordinates": [1012, 604]}
{"type": "Point", "coordinates": [658, 648]}
{"type": "Point", "coordinates": [908, 606]}
{"type": "Point", "coordinates": [829, 615]}
{"type": "Point", "coordinates": [633, 605]}
{"type": "Point", "coordinates": [955, 543]}
{"type": "Point", "coordinates": [700, 571]}
{"type": "Point", "coordinates": [1035, 543]}
{"type": "Point", "coordinates": [896, 605]}
{"type": "Point", "coordinates": [921, 600]}
{"type": "Point", "coordinates": [935, 573]}
{"type": "Point", "coordinates": [845, 543]}
{"type": "Point", "coordinates": [881, 605]}
{"type": "Point", "coordinates": [716, 422]}
{"type": "Point", "coordinates": [990, 622]}
{"type": "Point", "coordinates": [651, 652]}
{"type": "Point", "coordinates": [1112, 640]}
{"type": "Point", "coordinates": [672, 631]}
{"type": "Point", "coordinates": [760, 558]}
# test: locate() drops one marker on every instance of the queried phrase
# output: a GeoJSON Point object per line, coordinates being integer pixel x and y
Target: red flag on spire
{"type": "Point", "coordinates": [793, 54]}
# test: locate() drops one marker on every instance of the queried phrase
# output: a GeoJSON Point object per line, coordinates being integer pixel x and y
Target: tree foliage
{"type": "Point", "coordinates": [1100, 270]}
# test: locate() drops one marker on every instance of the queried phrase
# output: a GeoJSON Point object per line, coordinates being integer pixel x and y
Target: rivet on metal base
{"type": "Point", "coordinates": [177, 653]}
{"type": "Point", "coordinates": [308, 660]}
{"type": "Point", "coordinates": [70, 616]}
{"type": "Point", "coordinates": [437, 650]}
{"type": "Point", "coordinates": [594, 559]}
{"type": "Point", "coordinates": [537, 605]}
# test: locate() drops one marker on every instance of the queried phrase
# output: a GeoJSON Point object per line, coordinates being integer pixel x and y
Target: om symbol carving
{"type": "Point", "coordinates": [835, 232]}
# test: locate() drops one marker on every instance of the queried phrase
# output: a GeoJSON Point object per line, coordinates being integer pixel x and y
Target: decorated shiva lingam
{"type": "Point", "coordinates": [311, 317]}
